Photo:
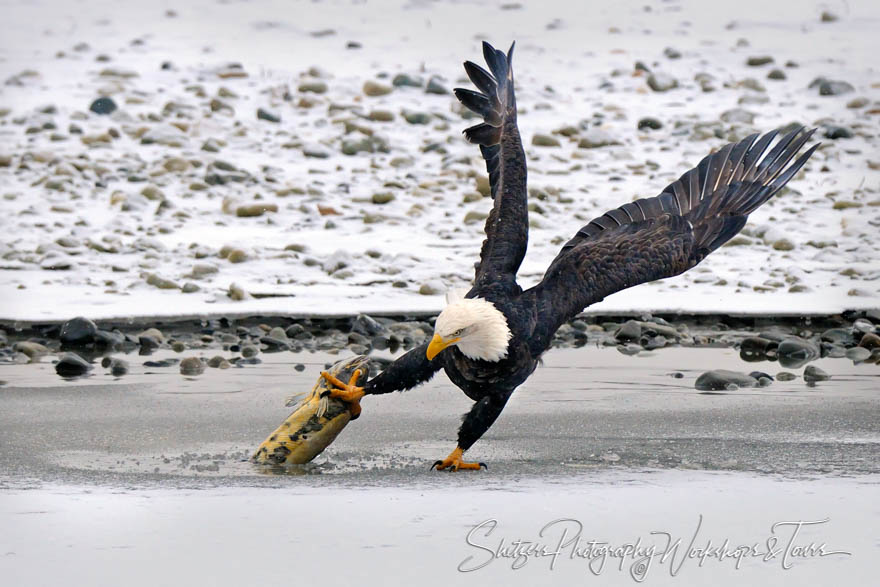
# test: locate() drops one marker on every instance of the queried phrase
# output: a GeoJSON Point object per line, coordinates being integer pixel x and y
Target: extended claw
{"type": "Point", "coordinates": [347, 392]}
{"type": "Point", "coordinates": [454, 463]}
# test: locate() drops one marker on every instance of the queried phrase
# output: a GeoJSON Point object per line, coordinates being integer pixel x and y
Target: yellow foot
{"type": "Point", "coordinates": [347, 392]}
{"type": "Point", "coordinates": [454, 463]}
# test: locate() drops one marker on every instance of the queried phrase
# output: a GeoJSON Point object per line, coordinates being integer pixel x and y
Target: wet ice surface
{"type": "Point", "coordinates": [144, 477]}
{"type": "Point", "coordinates": [585, 411]}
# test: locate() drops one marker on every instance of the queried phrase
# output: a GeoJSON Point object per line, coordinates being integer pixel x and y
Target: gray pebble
{"type": "Point", "coordinates": [858, 354]}
{"type": "Point", "coordinates": [628, 331]}
{"type": "Point", "coordinates": [661, 82]}
{"type": "Point", "coordinates": [192, 366]}
{"type": "Point", "coordinates": [813, 373]}
{"type": "Point", "coordinates": [34, 350]}
{"type": "Point", "coordinates": [720, 379]}
{"type": "Point", "coordinates": [373, 88]}
{"type": "Point", "coordinates": [435, 86]}
{"type": "Point", "coordinates": [218, 362]}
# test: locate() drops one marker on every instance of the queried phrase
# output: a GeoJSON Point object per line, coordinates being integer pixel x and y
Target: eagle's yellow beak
{"type": "Point", "coordinates": [438, 344]}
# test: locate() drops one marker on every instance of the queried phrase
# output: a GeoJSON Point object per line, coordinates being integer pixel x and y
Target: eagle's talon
{"type": "Point", "coordinates": [347, 392]}
{"type": "Point", "coordinates": [454, 463]}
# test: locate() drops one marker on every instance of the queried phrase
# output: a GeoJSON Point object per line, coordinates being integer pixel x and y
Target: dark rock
{"type": "Point", "coordinates": [721, 379]}
{"type": "Point", "coordinates": [109, 339]}
{"type": "Point", "coordinates": [813, 373]}
{"type": "Point", "coordinates": [78, 331]}
{"type": "Point", "coordinates": [275, 343]}
{"type": "Point", "coordinates": [671, 53]}
{"type": "Point", "coordinates": [164, 363]}
{"type": "Point", "coordinates": [72, 365]}
{"type": "Point", "coordinates": [118, 367]}
{"type": "Point", "coordinates": [414, 117]}
{"type": "Point", "coordinates": [796, 352]}
{"type": "Point", "coordinates": [367, 326]}
{"type": "Point", "coordinates": [148, 343]}
{"type": "Point", "coordinates": [248, 351]}
{"type": "Point", "coordinates": [650, 123]}
{"type": "Point", "coordinates": [776, 74]}
{"type": "Point", "coordinates": [650, 343]}
{"type": "Point", "coordinates": [358, 338]}
{"type": "Point", "coordinates": [192, 366]}
{"type": "Point", "coordinates": [759, 61]}
{"type": "Point", "coordinates": [299, 367]}
{"type": "Point", "coordinates": [870, 341]}
{"type": "Point", "coordinates": [755, 348]}
{"type": "Point", "coordinates": [838, 335]}
{"type": "Point", "coordinates": [435, 86]}
{"type": "Point", "coordinates": [403, 79]}
{"type": "Point", "coordinates": [785, 376]}
{"type": "Point", "coordinates": [268, 115]}
{"type": "Point", "coordinates": [103, 106]}
{"type": "Point", "coordinates": [837, 132]}
{"type": "Point", "coordinates": [218, 362]}
{"type": "Point", "coordinates": [628, 331]}
{"type": "Point", "coordinates": [238, 361]}
{"type": "Point", "coordinates": [629, 349]}
{"type": "Point", "coordinates": [829, 87]}
{"type": "Point", "coordinates": [293, 330]}
{"type": "Point", "coordinates": [760, 374]}
{"type": "Point", "coordinates": [833, 351]}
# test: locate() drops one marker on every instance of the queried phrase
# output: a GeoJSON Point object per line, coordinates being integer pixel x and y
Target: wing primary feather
{"type": "Point", "coordinates": [483, 134]}
{"type": "Point", "coordinates": [481, 78]}
{"type": "Point", "coordinates": [754, 155]}
{"type": "Point", "coordinates": [653, 238]}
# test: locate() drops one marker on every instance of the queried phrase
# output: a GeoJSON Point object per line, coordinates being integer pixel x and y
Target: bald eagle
{"type": "Point", "coordinates": [490, 341]}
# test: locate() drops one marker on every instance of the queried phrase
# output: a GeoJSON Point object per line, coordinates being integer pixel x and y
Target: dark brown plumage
{"type": "Point", "coordinates": [641, 241]}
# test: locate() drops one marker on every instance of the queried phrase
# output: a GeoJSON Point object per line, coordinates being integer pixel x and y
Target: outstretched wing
{"type": "Point", "coordinates": [507, 227]}
{"type": "Point", "coordinates": [659, 237]}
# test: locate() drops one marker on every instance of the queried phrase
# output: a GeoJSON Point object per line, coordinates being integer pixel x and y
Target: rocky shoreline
{"type": "Point", "coordinates": [79, 347]}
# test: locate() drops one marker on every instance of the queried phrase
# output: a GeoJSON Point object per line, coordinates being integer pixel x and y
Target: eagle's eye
{"type": "Point", "coordinates": [458, 332]}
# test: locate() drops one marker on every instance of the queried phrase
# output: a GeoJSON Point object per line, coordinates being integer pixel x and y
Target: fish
{"type": "Point", "coordinates": [316, 421]}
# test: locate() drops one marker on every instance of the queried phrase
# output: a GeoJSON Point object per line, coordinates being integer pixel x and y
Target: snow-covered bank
{"type": "Point", "coordinates": [95, 218]}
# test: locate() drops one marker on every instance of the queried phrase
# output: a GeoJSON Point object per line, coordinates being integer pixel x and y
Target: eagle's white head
{"type": "Point", "coordinates": [475, 326]}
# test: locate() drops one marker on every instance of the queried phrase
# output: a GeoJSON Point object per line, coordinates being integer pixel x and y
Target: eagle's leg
{"type": "Point", "coordinates": [475, 423]}
{"type": "Point", "coordinates": [347, 392]}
